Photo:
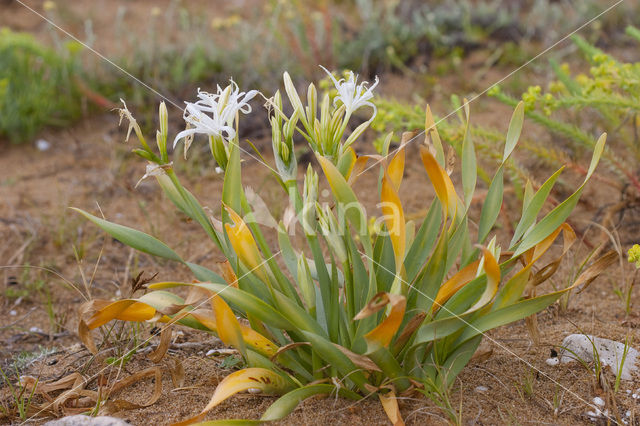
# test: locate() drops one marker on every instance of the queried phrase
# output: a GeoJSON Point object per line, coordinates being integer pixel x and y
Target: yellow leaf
{"type": "Point", "coordinates": [390, 404]}
{"type": "Point", "coordinates": [440, 180]}
{"type": "Point", "coordinates": [262, 379]}
{"type": "Point", "coordinates": [352, 158]}
{"type": "Point", "coordinates": [492, 269]}
{"type": "Point", "coordinates": [243, 244]}
{"type": "Point", "coordinates": [359, 167]}
{"type": "Point", "coordinates": [252, 338]}
{"type": "Point", "coordinates": [384, 332]}
{"type": "Point", "coordinates": [126, 310]}
{"type": "Point", "coordinates": [228, 273]}
{"type": "Point", "coordinates": [455, 283]}
{"type": "Point", "coordinates": [394, 218]}
{"type": "Point", "coordinates": [228, 326]}
{"type": "Point", "coordinates": [396, 165]}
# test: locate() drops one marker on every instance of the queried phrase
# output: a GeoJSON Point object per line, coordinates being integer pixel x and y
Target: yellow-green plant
{"type": "Point", "coordinates": [578, 105]}
{"type": "Point", "coordinates": [352, 313]}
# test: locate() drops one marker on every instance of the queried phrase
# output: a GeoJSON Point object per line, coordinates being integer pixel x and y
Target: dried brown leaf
{"type": "Point", "coordinates": [165, 340]}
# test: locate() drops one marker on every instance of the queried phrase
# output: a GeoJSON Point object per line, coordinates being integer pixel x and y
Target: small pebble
{"type": "Point", "coordinates": [35, 330]}
{"type": "Point", "coordinates": [482, 389]}
{"type": "Point", "coordinates": [553, 361]}
{"type": "Point", "coordinates": [13, 313]}
{"type": "Point", "coordinates": [219, 170]}
{"type": "Point", "coordinates": [598, 401]}
{"type": "Point", "coordinates": [43, 145]}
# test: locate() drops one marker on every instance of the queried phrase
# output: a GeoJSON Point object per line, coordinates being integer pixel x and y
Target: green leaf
{"type": "Point", "coordinates": [507, 315]}
{"type": "Point", "coordinates": [423, 242]}
{"type": "Point", "coordinates": [232, 186]}
{"type": "Point", "coordinates": [469, 166]}
{"type": "Point", "coordinates": [344, 195]}
{"type": "Point", "coordinates": [133, 238]}
{"type": "Point", "coordinates": [457, 360]}
{"type": "Point", "coordinates": [334, 356]}
{"type": "Point", "coordinates": [428, 282]}
{"type": "Point", "coordinates": [534, 206]}
{"type": "Point", "coordinates": [288, 402]}
{"type": "Point", "coordinates": [204, 274]}
{"type": "Point", "coordinates": [492, 205]}
{"type": "Point", "coordinates": [390, 367]}
{"type": "Point", "coordinates": [515, 128]}
{"type": "Point", "coordinates": [245, 301]}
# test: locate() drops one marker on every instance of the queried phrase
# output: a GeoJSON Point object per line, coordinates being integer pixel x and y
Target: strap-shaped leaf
{"type": "Point", "coordinates": [533, 204]}
{"type": "Point", "coordinates": [431, 135]}
{"type": "Point", "coordinates": [344, 195]}
{"type": "Point", "coordinates": [381, 335]}
{"type": "Point", "coordinates": [423, 241]}
{"type": "Point", "coordinates": [232, 185]}
{"type": "Point", "coordinates": [250, 337]}
{"type": "Point", "coordinates": [336, 358]}
{"type": "Point", "coordinates": [491, 206]}
{"type": "Point", "coordinates": [289, 401]}
{"type": "Point", "coordinates": [469, 162]}
{"type": "Point", "coordinates": [559, 214]}
{"type": "Point", "coordinates": [244, 244]}
{"type": "Point", "coordinates": [440, 180]}
{"type": "Point", "coordinates": [390, 404]}
{"type": "Point", "coordinates": [513, 133]}
{"type": "Point", "coordinates": [133, 238]}
{"type": "Point", "coordinates": [396, 167]}
{"type": "Point", "coordinates": [243, 300]}
{"type": "Point", "coordinates": [267, 381]}
{"type": "Point", "coordinates": [455, 283]}
{"type": "Point", "coordinates": [228, 326]}
{"type": "Point", "coordinates": [391, 207]}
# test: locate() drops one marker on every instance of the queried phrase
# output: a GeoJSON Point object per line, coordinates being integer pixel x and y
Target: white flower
{"type": "Point", "coordinates": [353, 95]}
{"type": "Point", "coordinates": [214, 113]}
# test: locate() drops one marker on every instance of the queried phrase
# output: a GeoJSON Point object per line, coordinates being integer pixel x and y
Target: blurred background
{"type": "Point", "coordinates": [422, 49]}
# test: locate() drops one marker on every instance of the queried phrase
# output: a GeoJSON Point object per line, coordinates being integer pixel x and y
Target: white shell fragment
{"type": "Point", "coordinates": [611, 353]}
{"type": "Point", "coordinates": [43, 145]}
{"type": "Point", "coordinates": [81, 420]}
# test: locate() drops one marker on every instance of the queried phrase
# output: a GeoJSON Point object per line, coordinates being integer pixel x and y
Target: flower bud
{"type": "Point", "coordinates": [309, 199]}
{"type": "Point", "coordinates": [331, 232]}
{"type": "Point", "coordinates": [161, 135]}
{"type": "Point", "coordinates": [305, 282]}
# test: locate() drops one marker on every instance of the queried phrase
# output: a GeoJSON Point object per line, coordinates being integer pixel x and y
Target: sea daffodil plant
{"type": "Point", "coordinates": [349, 313]}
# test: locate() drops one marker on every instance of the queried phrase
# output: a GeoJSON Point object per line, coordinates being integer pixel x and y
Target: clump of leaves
{"type": "Point", "coordinates": [384, 313]}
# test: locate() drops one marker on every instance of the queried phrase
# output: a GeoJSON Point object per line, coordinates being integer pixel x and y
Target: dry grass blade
{"type": "Point", "coordinates": [154, 372]}
{"type": "Point", "coordinates": [593, 271]}
{"type": "Point", "coordinates": [165, 340]}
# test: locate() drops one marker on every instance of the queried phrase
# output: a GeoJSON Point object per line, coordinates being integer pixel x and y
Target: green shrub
{"type": "Point", "coordinates": [37, 86]}
{"type": "Point", "coordinates": [577, 106]}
